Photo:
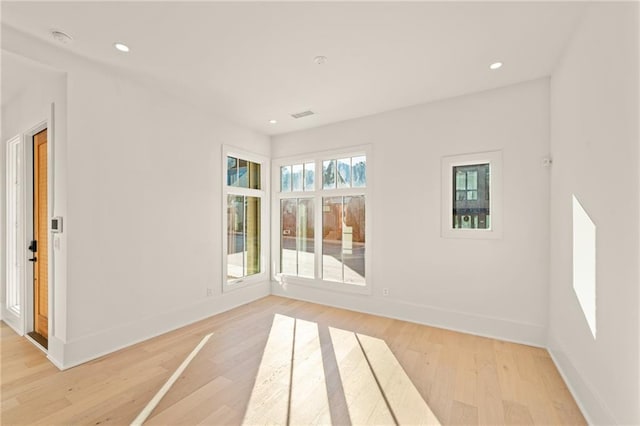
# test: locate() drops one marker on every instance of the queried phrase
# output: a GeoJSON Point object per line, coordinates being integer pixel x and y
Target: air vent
{"type": "Point", "coordinates": [302, 114]}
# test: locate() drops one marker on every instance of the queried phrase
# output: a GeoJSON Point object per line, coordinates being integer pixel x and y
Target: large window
{"type": "Point", "coordinates": [244, 204]}
{"type": "Point", "coordinates": [471, 203]}
{"type": "Point", "coordinates": [322, 211]}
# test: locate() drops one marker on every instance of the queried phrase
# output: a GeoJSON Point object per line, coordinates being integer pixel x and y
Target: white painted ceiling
{"type": "Point", "coordinates": [253, 62]}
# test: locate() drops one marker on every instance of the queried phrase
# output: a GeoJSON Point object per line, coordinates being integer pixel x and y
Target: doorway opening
{"type": "Point", "coordinates": [40, 243]}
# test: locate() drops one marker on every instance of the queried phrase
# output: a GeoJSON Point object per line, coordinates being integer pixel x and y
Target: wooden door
{"type": "Point", "coordinates": [41, 234]}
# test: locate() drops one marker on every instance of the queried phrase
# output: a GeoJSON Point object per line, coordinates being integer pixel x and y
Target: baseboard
{"type": "Point", "coordinates": [87, 348]}
{"type": "Point", "coordinates": [497, 328]}
{"type": "Point", "coordinates": [56, 352]}
{"type": "Point", "coordinates": [591, 404]}
{"type": "Point", "coordinates": [13, 322]}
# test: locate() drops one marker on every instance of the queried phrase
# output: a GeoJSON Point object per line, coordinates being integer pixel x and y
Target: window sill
{"type": "Point", "coordinates": [472, 234]}
{"type": "Point", "coordinates": [240, 283]}
{"type": "Point", "coordinates": [285, 280]}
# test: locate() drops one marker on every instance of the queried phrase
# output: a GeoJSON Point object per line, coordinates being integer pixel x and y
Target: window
{"type": "Point", "coordinates": [297, 243]}
{"type": "Point", "coordinates": [244, 212]}
{"type": "Point", "coordinates": [243, 236]}
{"type": "Point", "coordinates": [15, 232]}
{"type": "Point", "coordinates": [321, 219]}
{"type": "Point", "coordinates": [297, 177]}
{"type": "Point", "coordinates": [472, 197]}
{"type": "Point", "coordinates": [242, 173]}
{"type": "Point", "coordinates": [471, 204]}
{"type": "Point", "coordinates": [343, 239]}
{"type": "Point", "coordinates": [344, 173]}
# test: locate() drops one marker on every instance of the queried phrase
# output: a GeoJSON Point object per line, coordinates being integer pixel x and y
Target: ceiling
{"type": "Point", "coordinates": [253, 62]}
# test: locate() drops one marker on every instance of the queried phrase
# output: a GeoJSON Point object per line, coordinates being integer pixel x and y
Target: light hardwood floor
{"type": "Point", "coordinates": [279, 360]}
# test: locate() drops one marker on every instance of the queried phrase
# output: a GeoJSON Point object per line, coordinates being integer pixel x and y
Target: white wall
{"type": "Point", "coordinates": [594, 143]}
{"type": "Point", "coordinates": [38, 87]}
{"type": "Point", "coordinates": [143, 222]}
{"type": "Point", "coordinates": [491, 287]}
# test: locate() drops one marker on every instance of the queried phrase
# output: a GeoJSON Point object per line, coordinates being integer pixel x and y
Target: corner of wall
{"type": "Point", "coordinates": [593, 408]}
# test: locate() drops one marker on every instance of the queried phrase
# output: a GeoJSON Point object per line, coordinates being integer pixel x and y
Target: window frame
{"type": "Point", "coordinates": [16, 232]}
{"type": "Point", "coordinates": [317, 195]}
{"type": "Point", "coordinates": [494, 159]}
{"type": "Point", "coordinates": [263, 195]}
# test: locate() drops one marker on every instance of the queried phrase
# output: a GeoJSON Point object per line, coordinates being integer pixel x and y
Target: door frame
{"type": "Point", "coordinates": [28, 318]}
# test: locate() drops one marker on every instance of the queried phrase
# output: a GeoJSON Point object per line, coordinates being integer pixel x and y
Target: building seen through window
{"type": "Point", "coordinates": [471, 197]}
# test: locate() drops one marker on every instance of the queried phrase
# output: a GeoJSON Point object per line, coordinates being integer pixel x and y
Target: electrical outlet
{"type": "Point", "coordinates": [209, 292]}
{"type": "Point", "coordinates": [385, 291]}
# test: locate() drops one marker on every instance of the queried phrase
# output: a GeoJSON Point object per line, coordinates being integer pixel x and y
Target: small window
{"type": "Point", "coordinates": [359, 171]}
{"type": "Point", "coordinates": [348, 172]}
{"type": "Point", "coordinates": [471, 204]}
{"type": "Point", "coordinates": [329, 174]}
{"type": "Point", "coordinates": [242, 173]}
{"type": "Point", "coordinates": [297, 177]}
{"type": "Point", "coordinates": [309, 176]}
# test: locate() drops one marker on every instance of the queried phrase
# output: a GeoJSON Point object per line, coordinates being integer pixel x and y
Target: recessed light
{"type": "Point", "coordinates": [273, 121]}
{"type": "Point", "coordinates": [320, 60]}
{"type": "Point", "coordinates": [495, 65]}
{"type": "Point", "coordinates": [121, 47]}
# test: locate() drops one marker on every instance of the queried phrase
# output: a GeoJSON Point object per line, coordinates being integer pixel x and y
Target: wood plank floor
{"type": "Point", "coordinates": [279, 361]}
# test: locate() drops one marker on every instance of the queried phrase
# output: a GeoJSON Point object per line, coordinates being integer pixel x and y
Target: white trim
{"type": "Point", "coordinates": [317, 195]}
{"type": "Point", "coordinates": [51, 278]}
{"type": "Point", "coordinates": [592, 406]}
{"type": "Point", "coordinates": [479, 325]}
{"type": "Point", "coordinates": [263, 194]}
{"type": "Point", "coordinates": [14, 322]}
{"type": "Point", "coordinates": [15, 219]}
{"type": "Point", "coordinates": [285, 281]}
{"type": "Point", "coordinates": [494, 159]}
{"type": "Point", "coordinates": [89, 347]}
{"type": "Point", "coordinates": [28, 140]}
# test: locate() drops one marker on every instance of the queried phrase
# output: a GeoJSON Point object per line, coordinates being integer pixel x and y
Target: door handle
{"type": "Point", "coordinates": [33, 259]}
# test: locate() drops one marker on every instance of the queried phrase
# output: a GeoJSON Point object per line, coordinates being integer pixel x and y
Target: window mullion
{"type": "Point", "coordinates": [245, 270]}
{"type": "Point", "coordinates": [342, 225]}
{"type": "Point", "coordinates": [318, 235]}
{"type": "Point", "coordinates": [297, 236]}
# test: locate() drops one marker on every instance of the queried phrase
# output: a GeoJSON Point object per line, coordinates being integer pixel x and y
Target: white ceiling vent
{"type": "Point", "coordinates": [302, 114]}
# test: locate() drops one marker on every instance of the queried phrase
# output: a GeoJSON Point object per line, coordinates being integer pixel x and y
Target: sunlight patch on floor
{"type": "Point", "coordinates": [291, 386]}
{"type": "Point", "coordinates": [269, 402]}
{"type": "Point", "coordinates": [365, 402]}
{"type": "Point", "coordinates": [402, 396]}
{"type": "Point", "coordinates": [309, 400]}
